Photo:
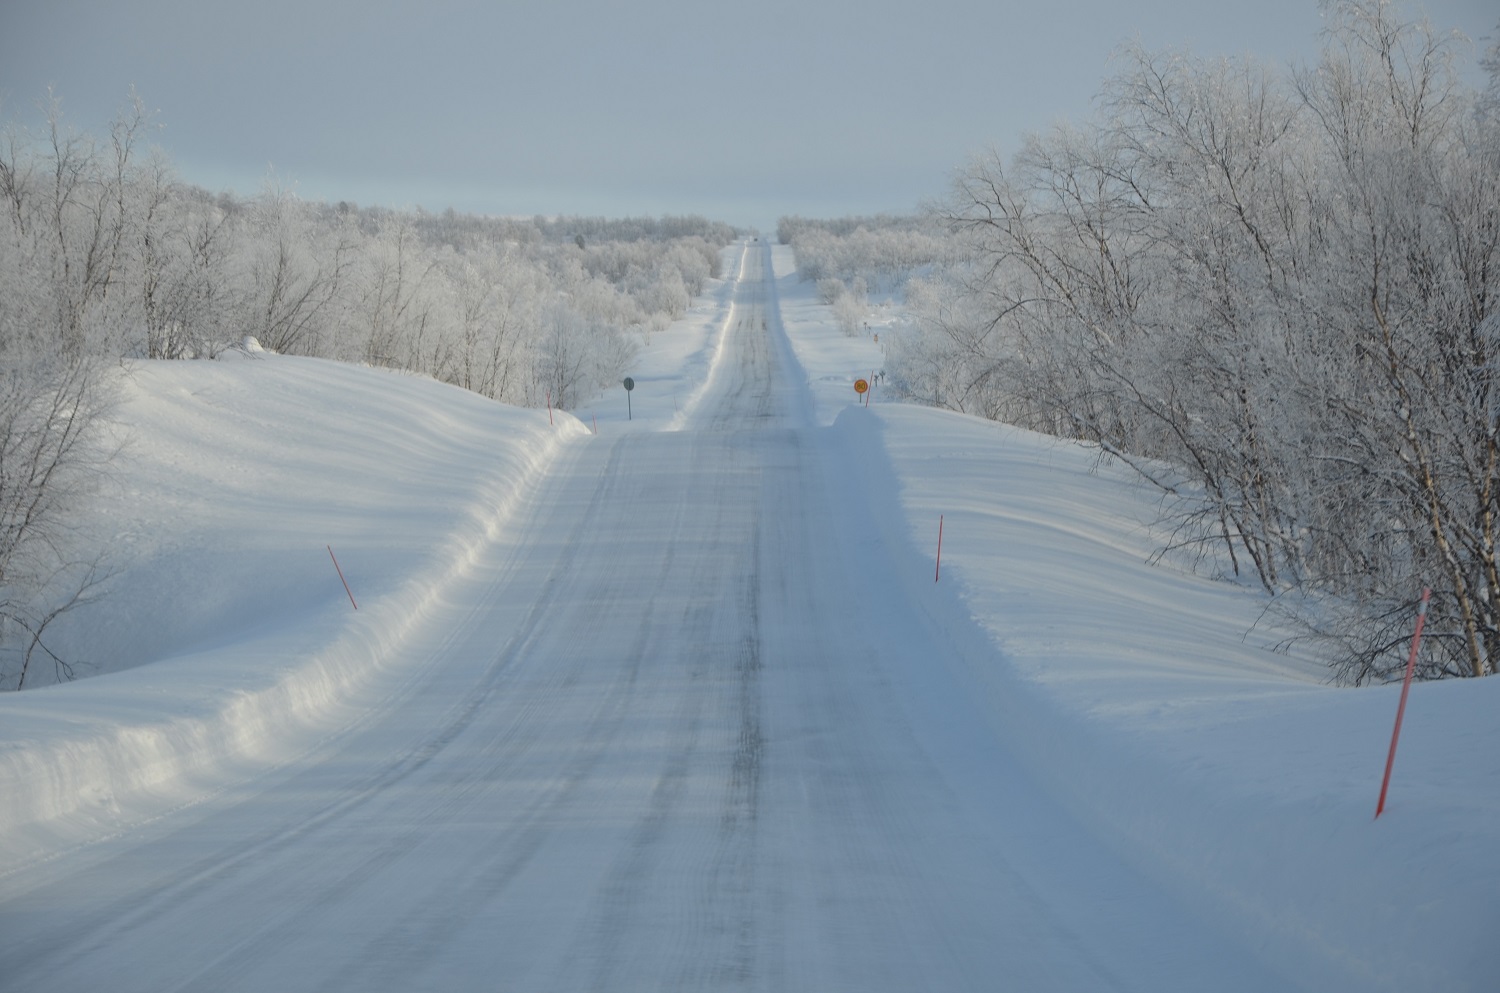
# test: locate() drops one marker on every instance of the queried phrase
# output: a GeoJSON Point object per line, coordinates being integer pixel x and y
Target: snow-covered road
{"type": "Point", "coordinates": [679, 732]}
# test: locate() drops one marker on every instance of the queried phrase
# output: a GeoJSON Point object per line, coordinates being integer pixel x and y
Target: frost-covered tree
{"type": "Point", "coordinates": [1275, 293]}
{"type": "Point", "coordinates": [51, 452]}
{"type": "Point", "coordinates": [297, 268]}
{"type": "Point", "coordinates": [64, 234]}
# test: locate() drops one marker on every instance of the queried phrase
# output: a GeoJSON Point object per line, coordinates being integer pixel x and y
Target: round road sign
{"type": "Point", "coordinates": [860, 386]}
{"type": "Point", "coordinates": [629, 384]}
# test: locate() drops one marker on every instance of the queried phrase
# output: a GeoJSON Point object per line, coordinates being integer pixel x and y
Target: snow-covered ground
{"type": "Point", "coordinates": [667, 695]}
{"type": "Point", "coordinates": [1150, 699]}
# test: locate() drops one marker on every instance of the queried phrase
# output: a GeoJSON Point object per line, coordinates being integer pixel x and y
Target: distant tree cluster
{"type": "Point", "coordinates": [851, 258]}
{"type": "Point", "coordinates": [106, 255]}
{"type": "Point", "coordinates": [1276, 294]}
{"type": "Point", "coordinates": [883, 251]}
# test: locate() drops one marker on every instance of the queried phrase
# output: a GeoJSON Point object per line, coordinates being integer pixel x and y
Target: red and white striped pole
{"type": "Point", "coordinates": [1411, 664]}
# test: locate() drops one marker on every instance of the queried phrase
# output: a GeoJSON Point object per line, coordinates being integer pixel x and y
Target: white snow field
{"type": "Point", "coordinates": [684, 705]}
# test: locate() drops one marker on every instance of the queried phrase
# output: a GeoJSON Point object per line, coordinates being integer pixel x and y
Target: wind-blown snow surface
{"type": "Point", "coordinates": [1075, 770]}
{"type": "Point", "coordinates": [1150, 701]}
{"type": "Point", "coordinates": [240, 482]}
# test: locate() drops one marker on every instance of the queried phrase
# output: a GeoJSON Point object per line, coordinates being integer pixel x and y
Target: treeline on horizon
{"type": "Point", "coordinates": [1271, 290]}
{"type": "Point", "coordinates": [107, 255]}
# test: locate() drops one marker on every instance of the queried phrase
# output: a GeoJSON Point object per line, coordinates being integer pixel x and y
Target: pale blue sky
{"type": "Point", "coordinates": [740, 111]}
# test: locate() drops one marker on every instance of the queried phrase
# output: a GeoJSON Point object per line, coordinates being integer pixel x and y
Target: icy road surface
{"type": "Point", "coordinates": [680, 735]}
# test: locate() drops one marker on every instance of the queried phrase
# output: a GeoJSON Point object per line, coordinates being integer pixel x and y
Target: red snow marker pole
{"type": "Point", "coordinates": [341, 576]}
{"type": "Point", "coordinates": [1411, 663]}
{"type": "Point", "coordinates": [596, 423]}
{"type": "Point", "coordinates": [939, 570]}
{"type": "Point", "coordinates": [549, 406]}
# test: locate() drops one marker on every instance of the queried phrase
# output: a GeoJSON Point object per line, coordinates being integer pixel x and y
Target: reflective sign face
{"type": "Point", "coordinates": [629, 384]}
{"type": "Point", "coordinates": [860, 386]}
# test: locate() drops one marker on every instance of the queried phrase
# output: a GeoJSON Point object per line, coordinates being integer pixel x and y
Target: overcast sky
{"type": "Point", "coordinates": [740, 111]}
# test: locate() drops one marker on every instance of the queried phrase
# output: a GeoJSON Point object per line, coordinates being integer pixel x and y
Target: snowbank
{"type": "Point", "coordinates": [227, 643]}
{"type": "Point", "coordinates": [1149, 700]}
{"type": "Point", "coordinates": [239, 478]}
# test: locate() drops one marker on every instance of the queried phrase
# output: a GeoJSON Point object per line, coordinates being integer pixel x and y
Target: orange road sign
{"type": "Point", "coordinates": [860, 386]}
